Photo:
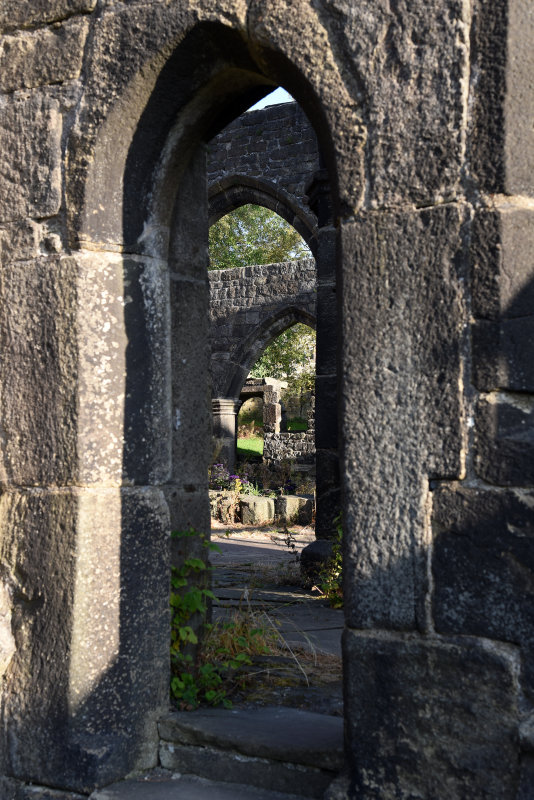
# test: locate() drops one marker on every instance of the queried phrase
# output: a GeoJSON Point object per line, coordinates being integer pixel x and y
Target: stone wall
{"type": "Point", "coordinates": [423, 112]}
{"type": "Point", "coordinates": [298, 447]}
{"type": "Point", "coordinates": [251, 306]}
{"type": "Point", "coordinates": [266, 157]}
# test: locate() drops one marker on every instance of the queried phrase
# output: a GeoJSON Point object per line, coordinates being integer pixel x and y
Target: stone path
{"type": "Point", "coordinates": [283, 740]}
{"type": "Point", "coordinates": [259, 754]}
{"type": "Point", "coordinates": [246, 571]}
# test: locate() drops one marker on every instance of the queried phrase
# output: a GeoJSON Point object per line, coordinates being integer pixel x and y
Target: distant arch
{"type": "Point", "coordinates": [249, 351]}
{"type": "Point", "coordinates": [235, 191]}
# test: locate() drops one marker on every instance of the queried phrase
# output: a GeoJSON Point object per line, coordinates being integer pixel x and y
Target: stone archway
{"type": "Point", "coordinates": [234, 191]}
{"type": "Point", "coordinates": [431, 204]}
{"type": "Point", "coordinates": [244, 342]}
{"type": "Point", "coordinates": [136, 294]}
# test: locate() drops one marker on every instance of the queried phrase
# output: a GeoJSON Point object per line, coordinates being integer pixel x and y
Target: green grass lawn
{"type": "Point", "coordinates": [297, 424]}
{"type": "Point", "coordinates": [253, 446]}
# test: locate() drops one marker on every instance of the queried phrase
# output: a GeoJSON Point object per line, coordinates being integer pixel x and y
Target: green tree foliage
{"type": "Point", "coordinates": [290, 357]}
{"type": "Point", "coordinates": [253, 235]}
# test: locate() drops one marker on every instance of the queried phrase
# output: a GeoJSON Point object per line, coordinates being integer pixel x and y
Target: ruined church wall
{"type": "Point", "coordinates": [249, 306]}
{"type": "Point", "coordinates": [424, 115]}
{"type": "Point", "coordinates": [276, 144]}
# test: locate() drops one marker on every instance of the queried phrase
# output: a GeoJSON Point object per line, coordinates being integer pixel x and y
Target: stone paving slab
{"type": "Point", "coordinates": [277, 733]}
{"type": "Point", "coordinates": [286, 595]}
{"type": "Point", "coordinates": [249, 550]}
{"type": "Point", "coordinates": [186, 787]}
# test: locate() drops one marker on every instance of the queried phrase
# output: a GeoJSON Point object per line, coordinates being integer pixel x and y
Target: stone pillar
{"type": "Point", "coordinates": [224, 412]}
{"type": "Point", "coordinates": [187, 490]}
{"type": "Point", "coordinates": [326, 412]}
{"type": "Point", "coordinates": [272, 409]}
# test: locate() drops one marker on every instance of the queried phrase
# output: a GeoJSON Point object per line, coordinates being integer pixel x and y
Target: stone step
{"type": "Point", "coordinates": [188, 787]}
{"type": "Point", "coordinates": [276, 749]}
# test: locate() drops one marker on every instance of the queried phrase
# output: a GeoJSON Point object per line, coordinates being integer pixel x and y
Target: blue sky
{"type": "Point", "coordinates": [278, 96]}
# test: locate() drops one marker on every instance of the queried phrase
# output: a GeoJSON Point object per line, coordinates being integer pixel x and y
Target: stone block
{"type": "Point", "coordinates": [402, 406]}
{"type": "Point", "coordinates": [430, 718]}
{"type": "Point", "coordinates": [328, 510]}
{"type": "Point", "coordinates": [489, 40]}
{"type": "Point", "coordinates": [256, 510]}
{"type": "Point", "coordinates": [483, 560]}
{"type": "Point", "coordinates": [502, 354]}
{"type": "Point", "coordinates": [272, 416]}
{"type": "Point", "coordinates": [19, 241]}
{"type": "Point", "coordinates": [519, 99]}
{"type": "Point", "coordinates": [88, 572]}
{"type": "Point", "coordinates": [30, 141]}
{"type": "Point", "coordinates": [49, 55]}
{"type": "Point", "coordinates": [328, 472]}
{"type": "Point", "coordinates": [188, 507]}
{"type": "Point", "coordinates": [123, 334]}
{"type": "Point", "coordinates": [414, 116]}
{"type": "Point", "coordinates": [314, 557]}
{"type": "Point", "coordinates": [502, 279]}
{"type": "Point", "coordinates": [326, 412]}
{"type": "Point", "coordinates": [223, 764]}
{"type": "Point", "coordinates": [504, 443]}
{"type": "Point", "coordinates": [327, 327]}
{"type": "Point", "coordinates": [38, 388]}
{"type": "Point", "coordinates": [37, 12]}
{"type": "Point", "coordinates": [502, 147]}
{"type": "Point", "coordinates": [293, 509]}
{"type": "Point", "coordinates": [223, 505]}
{"type": "Point", "coordinates": [15, 790]}
{"type": "Point", "coordinates": [191, 401]}
{"type": "Point", "coordinates": [526, 782]}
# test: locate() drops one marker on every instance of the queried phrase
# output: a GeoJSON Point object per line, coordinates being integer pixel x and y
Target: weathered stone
{"type": "Point", "coordinates": [402, 320]}
{"type": "Point", "coordinates": [504, 446]}
{"type": "Point", "coordinates": [188, 507]}
{"type": "Point", "coordinates": [502, 278]}
{"type": "Point", "coordinates": [39, 372]}
{"type": "Point", "coordinates": [287, 446]}
{"type": "Point", "coordinates": [224, 506]}
{"type": "Point", "coordinates": [328, 505]}
{"type": "Point", "coordinates": [15, 790]}
{"type": "Point", "coordinates": [283, 734]}
{"type": "Point", "coordinates": [256, 510]}
{"type": "Point", "coordinates": [190, 357]}
{"type": "Point", "coordinates": [327, 344]}
{"type": "Point", "coordinates": [50, 55]}
{"type": "Point", "coordinates": [417, 105]}
{"type": "Point", "coordinates": [430, 718]}
{"type": "Point", "coordinates": [502, 283]}
{"type": "Point", "coordinates": [218, 764]}
{"type": "Point", "coordinates": [123, 328]}
{"type": "Point", "coordinates": [280, 749]}
{"type": "Point", "coordinates": [14, 13]}
{"type": "Point", "coordinates": [326, 417]}
{"type": "Point", "coordinates": [483, 561]}
{"type": "Point", "coordinates": [526, 782]}
{"type": "Point", "coordinates": [167, 785]}
{"type": "Point", "coordinates": [314, 557]}
{"type": "Point", "coordinates": [519, 99]}
{"type": "Point", "coordinates": [19, 241]}
{"type": "Point", "coordinates": [502, 354]}
{"type": "Point", "coordinates": [526, 734]}
{"type": "Point", "coordinates": [30, 172]}
{"type": "Point", "coordinates": [88, 572]}
{"type": "Point", "coordinates": [291, 509]}
{"type": "Point", "coordinates": [272, 416]}
{"type": "Point", "coordinates": [414, 93]}
{"type": "Point", "coordinates": [266, 177]}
